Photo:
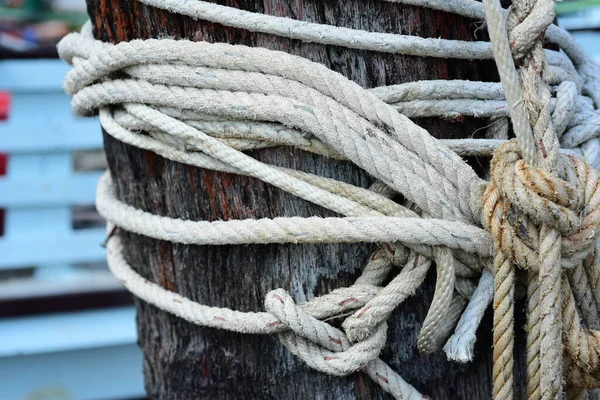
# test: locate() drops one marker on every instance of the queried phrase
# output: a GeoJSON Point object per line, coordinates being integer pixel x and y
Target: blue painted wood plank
{"type": "Point", "coordinates": [38, 75]}
{"type": "Point", "coordinates": [56, 281]}
{"type": "Point", "coordinates": [42, 180]}
{"type": "Point", "coordinates": [47, 249]}
{"type": "Point", "coordinates": [84, 355]}
{"type": "Point", "coordinates": [107, 373]}
{"type": "Point", "coordinates": [67, 331]}
{"type": "Point", "coordinates": [44, 122]}
{"type": "Point", "coordinates": [25, 166]}
{"type": "Point", "coordinates": [589, 42]}
{"type": "Point", "coordinates": [23, 224]}
{"type": "Point", "coordinates": [78, 189]}
{"type": "Point", "coordinates": [585, 15]}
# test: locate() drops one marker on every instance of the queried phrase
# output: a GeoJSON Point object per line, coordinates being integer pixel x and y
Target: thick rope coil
{"type": "Point", "coordinates": [204, 104]}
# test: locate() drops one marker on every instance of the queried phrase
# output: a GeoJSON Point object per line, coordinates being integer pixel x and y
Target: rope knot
{"type": "Point", "coordinates": [521, 198]}
{"type": "Point", "coordinates": [319, 344]}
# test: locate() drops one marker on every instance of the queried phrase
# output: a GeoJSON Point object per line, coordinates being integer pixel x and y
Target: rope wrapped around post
{"type": "Point", "coordinates": [204, 104]}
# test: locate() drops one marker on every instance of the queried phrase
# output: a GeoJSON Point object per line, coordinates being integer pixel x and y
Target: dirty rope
{"type": "Point", "coordinates": [204, 104]}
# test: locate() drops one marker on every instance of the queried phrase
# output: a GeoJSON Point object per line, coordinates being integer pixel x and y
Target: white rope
{"type": "Point", "coordinates": [461, 344]}
{"type": "Point", "coordinates": [452, 234]}
{"type": "Point", "coordinates": [204, 104]}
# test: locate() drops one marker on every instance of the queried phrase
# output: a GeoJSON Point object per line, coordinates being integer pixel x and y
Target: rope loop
{"type": "Point", "coordinates": [318, 343]}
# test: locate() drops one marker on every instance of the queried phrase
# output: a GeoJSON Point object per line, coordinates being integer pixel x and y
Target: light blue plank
{"type": "Point", "coordinates": [79, 189]}
{"type": "Point", "coordinates": [87, 355]}
{"type": "Point", "coordinates": [25, 166]}
{"type": "Point", "coordinates": [80, 246]}
{"type": "Point", "coordinates": [36, 180]}
{"type": "Point", "coordinates": [110, 373]}
{"type": "Point", "coordinates": [23, 224]}
{"type": "Point", "coordinates": [32, 75]}
{"type": "Point", "coordinates": [54, 281]}
{"type": "Point", "coordinates": [589, 42]}
{"type": "Point", "coordinates": [41, 122]}
{"type": "Point", "coordinates": [589, 18]}
{"type": "Point", "coordinates": [67, 331]}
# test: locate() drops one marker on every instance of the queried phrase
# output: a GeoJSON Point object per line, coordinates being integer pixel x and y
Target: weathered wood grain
{"type": "Point", "coordinates": [189, 362]}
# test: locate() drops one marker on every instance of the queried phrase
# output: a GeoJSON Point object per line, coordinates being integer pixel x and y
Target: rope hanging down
{"type": "Point", "coordinates": [204, 104]}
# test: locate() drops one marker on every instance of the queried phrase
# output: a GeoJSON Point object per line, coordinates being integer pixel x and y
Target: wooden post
{"type": "Point", "coordinates": [183, 361]}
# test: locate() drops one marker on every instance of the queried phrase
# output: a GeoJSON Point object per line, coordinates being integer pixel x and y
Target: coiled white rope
{"type": "Point", "coordinates": [203, 104]}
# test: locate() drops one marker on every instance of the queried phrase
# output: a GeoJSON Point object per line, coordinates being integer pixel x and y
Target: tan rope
{"type": "Point", "coordinates": [512, 217]}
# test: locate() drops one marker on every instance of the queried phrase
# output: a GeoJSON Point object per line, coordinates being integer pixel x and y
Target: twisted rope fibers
{"type": "Point", "coordinates": [203, 104]}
